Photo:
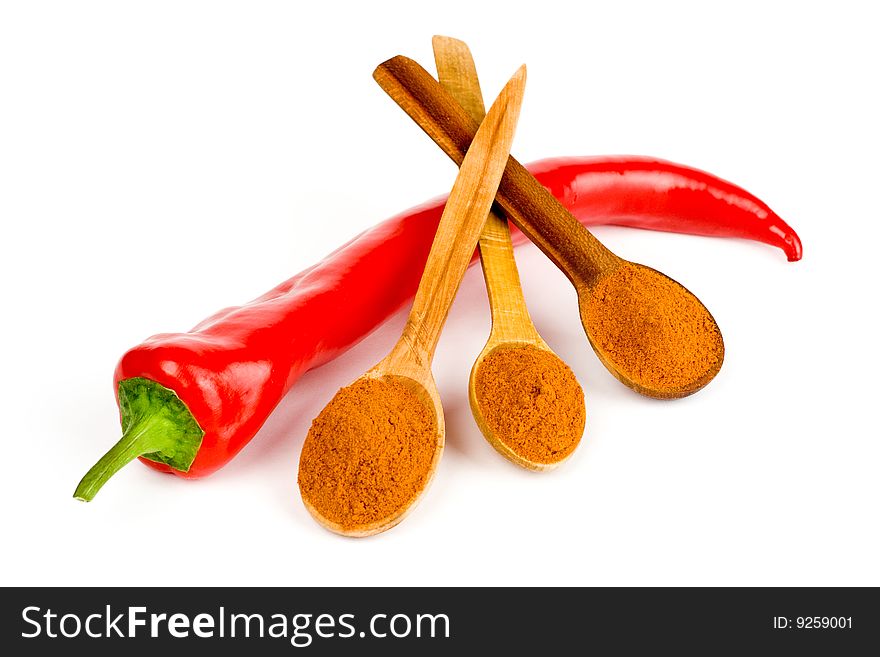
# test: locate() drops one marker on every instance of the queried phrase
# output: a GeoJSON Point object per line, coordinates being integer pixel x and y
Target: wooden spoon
{"type": "Point", "coordinates": [512, 326]}
{"type": "Point", "coordinates": [409, 361]}
{"type": "Point", "coordinates": [584, 260]}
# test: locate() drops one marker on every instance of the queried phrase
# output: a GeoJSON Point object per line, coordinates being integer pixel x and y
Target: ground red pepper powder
{"type": "Point", "coordinates": [368, 454]}
{"type": "Point", "coordinates": [650, 328]}
{"type": "Point", "coordinates": [532, 402]}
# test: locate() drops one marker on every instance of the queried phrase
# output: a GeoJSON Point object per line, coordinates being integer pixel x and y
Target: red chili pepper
{"type": "Point", "coordinates": [190, 401]}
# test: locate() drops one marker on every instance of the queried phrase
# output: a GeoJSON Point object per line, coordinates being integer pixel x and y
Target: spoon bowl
{"type": "Point", "coordinates": [650, 332]}
{"type": "Point", "coordinates": [424, 392]}
{"type": "Point", "coordinates": [564, 406]}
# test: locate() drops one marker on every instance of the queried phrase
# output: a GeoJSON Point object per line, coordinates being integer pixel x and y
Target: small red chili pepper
{"type": "Point", "coordinates": [190, 401]}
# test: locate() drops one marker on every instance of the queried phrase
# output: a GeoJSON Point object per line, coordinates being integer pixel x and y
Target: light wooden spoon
{"type": "Point", "coordinates": [512, 326]}
{"type": "Point", "coordinates": [409, 361]}
{"type": "Point", "coordinates": [582, 258]}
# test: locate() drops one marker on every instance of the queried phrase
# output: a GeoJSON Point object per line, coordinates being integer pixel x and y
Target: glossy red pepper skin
{"type": "Point", "coordinates": [234, 368]}
{"type": "Point", "coordinates": [644, 192]}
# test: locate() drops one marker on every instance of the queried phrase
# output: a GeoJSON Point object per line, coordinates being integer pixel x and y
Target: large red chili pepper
{"type": "Point", "coordinates": [190, 401]}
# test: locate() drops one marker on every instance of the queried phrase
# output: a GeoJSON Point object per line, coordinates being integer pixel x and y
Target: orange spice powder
{"type": "Point", "coordinates": [648, 327]}
{"type": "Point", "coordinates": [532, 402]}
{"type": "Point", "coordinates": [368, 454]}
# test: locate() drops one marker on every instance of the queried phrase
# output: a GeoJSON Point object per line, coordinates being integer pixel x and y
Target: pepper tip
{"type": "Point", "coordinates": [794, 250]}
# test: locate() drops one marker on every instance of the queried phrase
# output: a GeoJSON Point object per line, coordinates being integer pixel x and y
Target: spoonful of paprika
{"type": "Point", "coordinates": [651, 333]}
{"type": "Point", "coordinates": [372, 451]}
{"type": "Point", "coordinates": [525, 399]}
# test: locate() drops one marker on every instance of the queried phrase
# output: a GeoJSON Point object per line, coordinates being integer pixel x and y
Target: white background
{"type": "Point", "coordinates": [159, 161]}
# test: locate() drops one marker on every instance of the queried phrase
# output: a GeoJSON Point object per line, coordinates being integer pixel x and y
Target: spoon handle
{"type": "Point", "coordinates": [510, 315]}
{"type": "Point", "coordinates": [459, 228]}
{"type": "Point", "coordinates": [524, 200]}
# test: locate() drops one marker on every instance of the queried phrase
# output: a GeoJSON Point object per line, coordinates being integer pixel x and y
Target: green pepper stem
{"type": "Point", "coordinates": [141, 438]}
{"type": "Point", "coordinates": [156, 424]}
